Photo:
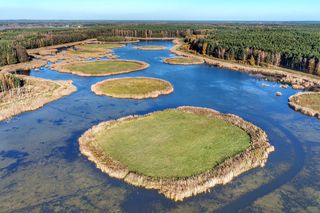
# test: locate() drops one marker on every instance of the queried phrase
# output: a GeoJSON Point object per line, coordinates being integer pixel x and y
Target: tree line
{"type": "Point", "coordinates": [13, 43]}
{"type": "Point", "coordinates": [294, 47]}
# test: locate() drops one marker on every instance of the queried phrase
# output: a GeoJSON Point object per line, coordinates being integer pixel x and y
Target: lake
{"type": "Point", "coordinates": [41, 168]}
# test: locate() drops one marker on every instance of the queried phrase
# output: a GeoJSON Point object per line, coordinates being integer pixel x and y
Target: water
{"type": "Point", "coordinates": [41, 168]}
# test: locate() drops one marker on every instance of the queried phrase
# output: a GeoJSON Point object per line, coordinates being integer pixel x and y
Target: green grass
{"type": "Point", "coordinates": [172, 143]}
{"type": "Point", "coordinates": [311, 101]}
{"type": "Point", "coordinates": [104, 67]}
{"type": "Point", "coordinates": [133, 86]}
{"type": "Point", "coordinates": [99, 46]}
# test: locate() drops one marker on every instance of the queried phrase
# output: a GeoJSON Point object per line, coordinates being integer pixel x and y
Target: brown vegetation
{"type": "Point", "coordinates": [32, 95]}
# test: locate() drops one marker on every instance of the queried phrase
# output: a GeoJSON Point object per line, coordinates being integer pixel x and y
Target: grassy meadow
{"type": "Point", "coordinates": [172, 143]}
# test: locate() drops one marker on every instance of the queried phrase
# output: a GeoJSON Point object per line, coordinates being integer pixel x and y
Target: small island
{"type": "Point", "coordinates": [101, 68]}
{"type": "Point", "coordinates": [19, 93]}
{"type": "Point", "coordinates": [150, 47]}
{"type": "Point", "coordinates": [134, 88]}
{"type": "Point", "coordinates": [180, 152]}
{"type": "Point", "coordinates": [307, 103]}
{"type": "Point", "coordinates": [183, 60]}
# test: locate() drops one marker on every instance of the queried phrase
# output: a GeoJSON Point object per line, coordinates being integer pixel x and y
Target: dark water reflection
{"type": "Point", "coordinates": [41, 168]}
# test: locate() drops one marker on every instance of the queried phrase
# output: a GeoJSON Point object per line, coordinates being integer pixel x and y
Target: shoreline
{"type": "Point", "coordinates": [178, 189]}
{"type": "Point", "coordinates": [61, 68]}
{"type": "Point", "coordinates": [299, 108]}
{"type": "Point", "coordinates": [95, 88]}
{"type": "Point", "coordinates": [296, 80]}
{"type": "Point", "coordinates": [46, 91]}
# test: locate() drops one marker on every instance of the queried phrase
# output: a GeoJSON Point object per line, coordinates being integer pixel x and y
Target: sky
{"type": "Point", "coordinates": [232, 10]}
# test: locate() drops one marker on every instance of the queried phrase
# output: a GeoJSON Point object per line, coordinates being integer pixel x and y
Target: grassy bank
{"type": "Point", "coordinates": [137, 88]}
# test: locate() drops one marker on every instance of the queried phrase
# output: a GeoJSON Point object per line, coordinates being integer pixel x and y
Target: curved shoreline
{"type": "Point", "coordinates": [170, 61]}
{"type": "Point", "coordinates": [96, 89]}
{"type": "Point", "coordinates": [61, 68]}
{"type": "Point", "coordinates": [36, 99]}
{"type": "Point", "coordinates": [178, 189]}
{"type": "Point", "coordinates": [299, 108]}
{"type": "Point", "coordinates": [296, 80]}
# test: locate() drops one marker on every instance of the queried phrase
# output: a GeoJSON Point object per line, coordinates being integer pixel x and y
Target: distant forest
{"type": "Point", "coordinates": [294, 46]}
{"type": "Point", "coordinates": [14, 42]}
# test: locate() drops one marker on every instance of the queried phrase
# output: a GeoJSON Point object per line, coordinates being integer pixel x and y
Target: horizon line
{"type": "Point", "coordinates": [152, 20]}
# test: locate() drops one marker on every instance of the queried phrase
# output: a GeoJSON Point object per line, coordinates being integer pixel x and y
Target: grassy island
{"type": "Point", "coordinates": [181, 152]}
{"type": "Point", "coordinates": [135, 88]}
{"type": "Point", "coordinates": [183, 60]}
{"type": "Point", "coordinates": [306, 102]}
{"type": "Point", "coordinates": [29, 94]}
{"type": "Point", "coordinates": [101, 68]}
{"type": "Point", "coordinates": [150, 47]}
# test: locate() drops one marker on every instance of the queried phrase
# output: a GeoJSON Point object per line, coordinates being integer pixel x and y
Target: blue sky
{"type": "Point", "coordinates": [255, 10]}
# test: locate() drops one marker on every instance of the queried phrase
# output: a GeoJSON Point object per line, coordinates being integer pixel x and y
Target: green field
{"type": "Point", "coordinates": [105, 67]}
{"type": "Point", "coordinates": [311, 101]}
{"type": "Point", "coordinates": [133, 86]}
{"type": "Point", "coordinates": [172, 143]}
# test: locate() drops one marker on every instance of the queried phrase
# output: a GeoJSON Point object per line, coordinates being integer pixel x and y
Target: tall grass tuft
{"type": "Point", "coordinates": [9, 81]}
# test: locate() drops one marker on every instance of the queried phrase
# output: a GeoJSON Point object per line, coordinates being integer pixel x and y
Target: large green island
{"type": "Point", "coordinates": [181, 152]}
